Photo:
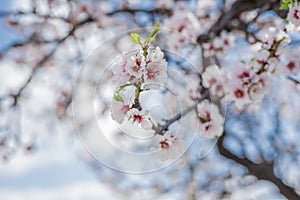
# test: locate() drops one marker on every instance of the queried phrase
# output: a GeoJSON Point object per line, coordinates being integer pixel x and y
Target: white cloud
{"type": "Point", "coordinates": [75, 191]}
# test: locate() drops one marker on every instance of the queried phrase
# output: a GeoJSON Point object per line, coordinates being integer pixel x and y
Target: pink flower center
{"type": "Point", "coordinates": [211, 47]}
{"type": "Point", "coordinates": [180, 29]}
{"type": "Point", "coordinates": [137, 118]}
{"type": "Point", "coordinates": [291, 65]}
{"type": "Point", "coordinates": [181, 40]}
{"type": "Point", "coordinates": [212, 81]}
{"type": "Point", "coordinates": [207, 127]}
{"type": "Point", "coordinates": [239, 93]}
{"type": "Point", "coordinates": [226, 42]}
{"type": "Point", "coordinates": [151, 74]}
{"type": "Point", "coordinates": [138, 62]}
{"type": "Point", "coordinates": [296, 12]}
{"type": "Point", "coordinates": [208, 117]}
{"type": "Point", "coordinates": [245, 74]}
{"type": "Point", "coordinates": [164, 144]}
{"type": "Point", "coordinates": [135, 68]}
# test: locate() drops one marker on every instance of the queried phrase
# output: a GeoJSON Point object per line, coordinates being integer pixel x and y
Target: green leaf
{"type": "Point", "coordinates": [286, 3]}
{"type": "Point", "coordinates": [153, 34]}
{"type": "Point", "coordinates": [118, 98]}
{"type": "Point", "coordinates": [135, 38]}
{"type": "Point", "coordinates": [122, 87]}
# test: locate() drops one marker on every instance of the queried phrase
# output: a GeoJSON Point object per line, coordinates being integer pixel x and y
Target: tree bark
{"type": "Point", "coordinates": [263, 171]}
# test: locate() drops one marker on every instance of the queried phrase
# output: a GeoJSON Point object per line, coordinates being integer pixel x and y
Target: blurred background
{"type": "Point", "coordinates": [43, 43]}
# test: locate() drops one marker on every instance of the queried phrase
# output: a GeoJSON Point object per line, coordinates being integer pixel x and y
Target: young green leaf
{"type": "Point", "coordinates": [153, 34]}
{"type": "Point", "coordinates": [118, 98]}
{"type": "Point", "coordinates": [135, 38]}
{"type": "Point", "coordinates": [122, 87]}
{"type": "Point", "coordinates": [286, 3]}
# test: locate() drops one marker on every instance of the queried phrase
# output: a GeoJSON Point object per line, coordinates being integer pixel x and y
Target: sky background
{"type": "Point", "coordinates": [55, 170]}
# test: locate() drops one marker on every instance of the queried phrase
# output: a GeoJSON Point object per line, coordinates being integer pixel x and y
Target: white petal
{"type": "Point", "coordinates": [146, 124]}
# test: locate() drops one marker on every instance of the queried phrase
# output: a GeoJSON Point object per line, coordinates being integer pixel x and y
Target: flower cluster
{"type": "Point", "coordinates": [249, 82]}
{"type": "Point", "coordinates": [139, 71]}
{"type": "Point", "coordinates": [219, 45]}
{"type": "Point", "coordinates": [211, 120]}
{"type": "Point", "coordinates": [138, 68]}
{"type": "Point", "coordinates": [212, 79]}
{"type": "Point", "coordinates": [185, 25]}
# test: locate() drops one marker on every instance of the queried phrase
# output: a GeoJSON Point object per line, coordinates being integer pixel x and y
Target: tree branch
{"type": "Point", "coordinates": [263, 171]}
{"type": "Point", "coordinates": [227, 18]}
{"type": "Point", "coordinates": [167, 12]}
{"type": "Point", "coordinates": [161, 129]}
{"type": "Point", "coordinates": [17, 95]}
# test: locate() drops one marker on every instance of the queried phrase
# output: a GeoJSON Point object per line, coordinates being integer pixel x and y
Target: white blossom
{"type": "Point", "coordinates": [170, 146]}
{"type": "Point", "coordinates": [294, 14]}
{"type": "Point", "coordinates": [141, 117]}
{"type": "Point", "coordinates": [256, 92]}
{"type": "Point", "coordinates": [136, 64]}
{"type": "Point", "coordinates": [121, 75]}
{"type": "Point", "coordinates": [156, 69]}
{"type": "Point", "coordinates": [119, 110]}
{"type": "Point", "coordinates": [212, 79]}
{"type": "Point", "coordinates": [155, 73]}
{"type": "Point", "coordinates": [156, 55]}
{"type": "Point", "coordinates": [239, 96]}
{"type": "Point", "coordinates": [289, 63]}
{"type": "Point", "coordinates": [184, 23]}
{"type": "Point", "coordinates": [211, 120]}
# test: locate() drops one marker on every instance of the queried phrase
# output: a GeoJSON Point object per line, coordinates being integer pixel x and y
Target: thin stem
{"type": "Point", "coordinates": [161, 129]}
{"type": "Point", "coordinates": [138, 90]}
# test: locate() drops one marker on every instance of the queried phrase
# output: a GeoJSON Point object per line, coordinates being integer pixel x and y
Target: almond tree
{"type": "Point", "coordinates": [226, 73]}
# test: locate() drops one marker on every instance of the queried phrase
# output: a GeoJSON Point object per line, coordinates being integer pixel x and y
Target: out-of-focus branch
{"type": "Point", "coordinates": [263, 170]}
{"type": "Point", "coordinates": [162, 11]}
{"type": "Point", "coordinates": [293, 79]}
{"type": "Point", "coordinates": [39, 64]}
{"type": "Point", "coordinates": [228, 18]}
{"type": "Point", "coordinates": [30, 13]}
{"type": "Point", "coordinates": [161, 129]}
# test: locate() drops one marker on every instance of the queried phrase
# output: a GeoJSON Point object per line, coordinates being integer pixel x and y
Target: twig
{"type": "Point", "coordinates": [263, 170]}
{"type": "Point", "coordinates": [293, 79]}
{"type": "Point", "coordinates": [161, 129]}
{"type": "Point", "coordinates": [134, 11]}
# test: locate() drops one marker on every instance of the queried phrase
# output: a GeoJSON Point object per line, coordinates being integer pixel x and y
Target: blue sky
{"type": "Point", "coordinates": [55, 170]}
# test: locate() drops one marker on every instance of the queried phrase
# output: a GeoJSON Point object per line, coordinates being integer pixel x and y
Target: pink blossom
{"type": "Point", "coordinates": [170, 146]}
{"type": "Point", "coordinates": [141, 117]}
{"type": "Point", "coordinates": [239, 96]}
{"type": "Point", "coordinates": [119, 110]}
{"type": "Point", "coordinates": [212, 79]}
{"type": "Point", "coordinates": [135, 65]}
{"type": "Point", "coordinates": [211, 120]}
{"type": "Point", "coordinates": [294, 14]}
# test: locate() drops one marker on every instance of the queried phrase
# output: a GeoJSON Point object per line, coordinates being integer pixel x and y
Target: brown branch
{"type": "Point", "coordinates": [294, 80]}
{"type": "Point", "coordinates": [161, 129]}
{"type": "Point", "coordinates": [227, 18]}
{"type": "Point", "coordinates": [263, 170]}
{"type": "Point", "coordinates": [18, 94]}
{"type": "Point", "coordinates": [163, 11]}
{"type": "Point", "coordinates": [28, 13]}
